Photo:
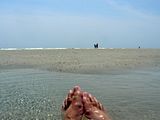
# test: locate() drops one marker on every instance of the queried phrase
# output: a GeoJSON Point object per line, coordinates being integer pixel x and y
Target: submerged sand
{"type": "Point", "coordinates": [81, 60]}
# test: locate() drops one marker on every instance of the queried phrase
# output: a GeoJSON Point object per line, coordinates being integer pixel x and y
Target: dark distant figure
{"type": "Point", "coordinates": [96, 45]}
{"type": "Point", "coordinates": [139, 47]}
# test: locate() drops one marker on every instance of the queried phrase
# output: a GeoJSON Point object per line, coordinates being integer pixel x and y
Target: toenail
{"type": "Point", "coordinates": [84, 98]}
{"type": "Point", "coordinates": [70, 91]}
{"type": "Point", "coordinates": [101, 107]}
{"type": "Point", "coordinates": [90, 95]}
{"type": "Point", "coordinates": [78, 92]}
{"type": "Point", "coordinates": [95, 100]}
{"type": "Point", "coordinates": [96, 111]}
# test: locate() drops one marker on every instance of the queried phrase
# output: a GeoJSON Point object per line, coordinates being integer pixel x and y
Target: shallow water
{"type": "Point", "coordinates": [35, 94]}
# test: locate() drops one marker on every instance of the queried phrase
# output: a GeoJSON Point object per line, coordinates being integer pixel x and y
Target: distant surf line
{"type": "Point", "coordinates": [51, 48]}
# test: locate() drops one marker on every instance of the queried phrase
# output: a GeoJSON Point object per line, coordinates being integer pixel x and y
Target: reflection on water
{"type": "Point", "coordinates": [33, 94]}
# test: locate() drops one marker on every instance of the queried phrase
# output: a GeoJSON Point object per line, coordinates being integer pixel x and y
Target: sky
{"type": "Point", "coordinates": [79, 23]}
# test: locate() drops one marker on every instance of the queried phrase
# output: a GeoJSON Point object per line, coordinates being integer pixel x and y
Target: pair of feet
{"type": "Point", "coordinates": [80, 105]}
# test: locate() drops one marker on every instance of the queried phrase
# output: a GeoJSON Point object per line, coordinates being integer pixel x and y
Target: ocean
{"type": "Point", "coordinates": [31, 94]}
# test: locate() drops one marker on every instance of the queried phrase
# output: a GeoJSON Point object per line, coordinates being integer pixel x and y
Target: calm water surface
{"type": "Point", "coordinates": [30, 94]}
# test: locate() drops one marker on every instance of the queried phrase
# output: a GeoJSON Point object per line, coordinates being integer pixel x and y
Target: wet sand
{"type": "Point", "coordinates": [33, 83]}
{"type": "Point", "coordinates": [81, 60]}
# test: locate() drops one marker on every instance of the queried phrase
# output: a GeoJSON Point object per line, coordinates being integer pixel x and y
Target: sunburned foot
{"type": "Point", "coordinates": [93, 110]}
{"type": "Point", "coordinates": [78, 105]}
{"type": "Point", "coordinates": [72, 107]}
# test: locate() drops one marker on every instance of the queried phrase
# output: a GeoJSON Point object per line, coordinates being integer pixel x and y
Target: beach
{"type": "Point", "coordinates": [33, 83]}
{"type": "Point", "coordinates": [81, 60]}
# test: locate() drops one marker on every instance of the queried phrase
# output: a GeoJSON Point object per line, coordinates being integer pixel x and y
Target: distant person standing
{"type": "Point", "coordinates": [96, 45]}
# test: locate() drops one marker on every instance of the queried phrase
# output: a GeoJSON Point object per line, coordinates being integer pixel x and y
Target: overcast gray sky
{"type": "Point", "coordinates": [79, 23]}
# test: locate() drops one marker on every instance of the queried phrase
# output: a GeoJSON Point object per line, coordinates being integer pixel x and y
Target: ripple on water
{"type": "Point", "coordinates": [34, 94]}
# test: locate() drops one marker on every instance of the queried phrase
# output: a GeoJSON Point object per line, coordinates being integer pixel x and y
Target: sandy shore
{"type": "Point", "coordinates": [81, 60]}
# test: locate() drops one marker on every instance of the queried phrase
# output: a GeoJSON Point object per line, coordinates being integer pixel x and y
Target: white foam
{"type": "Point", "coordinates": [49, 48]}
{"type": "Point", "coordinates": [30, 48]}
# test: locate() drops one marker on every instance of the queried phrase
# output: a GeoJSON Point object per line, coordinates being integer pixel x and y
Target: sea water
{"type": "Point", "coordinates": [30, 94]}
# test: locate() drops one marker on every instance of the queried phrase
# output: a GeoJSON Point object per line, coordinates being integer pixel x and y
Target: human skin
{"type": "Point", "coordinates": [79, 105]}
{"type": "Point", "coordinates": [72, 107]}
{"type": "Point", "coordinates": [93, 110]}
